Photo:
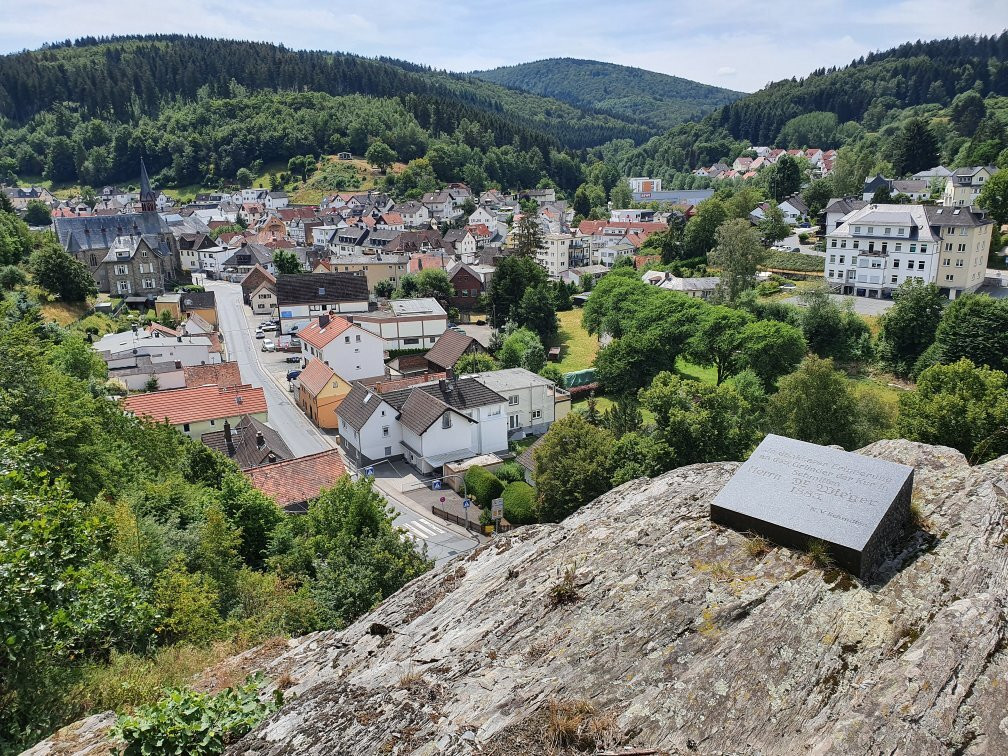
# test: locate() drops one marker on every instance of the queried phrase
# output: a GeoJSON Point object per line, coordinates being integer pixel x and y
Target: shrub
{"type": "Point", "coordinates": [187, 722]}
{"type": "Point", "coordinates": [11, 276]}
{"type": "Point", "coordinates": [519, 503]}
{"type": "Point", "coordinates": [510, 472]}
{"type": "Point", "coordinates": [482, 486]}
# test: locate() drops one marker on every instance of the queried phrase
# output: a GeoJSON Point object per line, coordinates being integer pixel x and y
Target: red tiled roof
{"type": "Point", "coordinates": [423, 262]}
{"type": "Point", "coordinates": [224, 375]}
{"type": "Point", "coordinates": [316, 376]}
{"type": "Point", "coordinates": [156, 327]}
{"type": "Point", "coordinates": [296, 481]}
{"type": "Point", "coordinates": [319, 337]}
{"type": "Point", "coordinates": [383, 387]}
{"type": "Point", "coordinates": [392, 219]}
{"type": "Point", "coordinates": [193, 405]}
{"type": "Point", "coordinates": [479, 229]}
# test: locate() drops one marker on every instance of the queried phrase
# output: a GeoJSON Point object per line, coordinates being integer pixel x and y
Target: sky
{"type": "Point", "coordinates": [739, 44]}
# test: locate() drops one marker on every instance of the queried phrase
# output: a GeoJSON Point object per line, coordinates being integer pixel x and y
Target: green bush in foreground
{"type": "Point", "coordinates": [519, 503]}
{"type": "Point", "coordinates": [187, 722]}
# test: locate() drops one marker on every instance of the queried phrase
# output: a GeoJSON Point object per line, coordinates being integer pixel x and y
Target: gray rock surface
{"type": "Point", "coordinates": [637, 624]}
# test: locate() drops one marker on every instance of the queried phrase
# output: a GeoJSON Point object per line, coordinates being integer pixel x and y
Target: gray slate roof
{"type": "Point", "coordinates": [99, 231]}
{"type": "Point", "coordinates": [358, 406]}
{"type": "Point", "coordinates": [247, 452]}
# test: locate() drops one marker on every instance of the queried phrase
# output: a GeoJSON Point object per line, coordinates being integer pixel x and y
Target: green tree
{"type": "Point", "coordinates": [253, 513]}
{"type": "Point", "coordinates": [737, 252]}
{"type": "Point", "coordinates": [967, 111]}
{"type": "Point", "coordinates": [380, 155]}
{"type": "Point", "coordinates": [699, 236]}
{"type": "Point", "coordinates": [975, 327]}
{"type": "Point", "coordinates": [914, 148]}
{"type": "Point", "coordinates": [537, 312]}
{"type": "Point", "coordinates": [429, 282]}
{"type": "Point", "coordinates": [783, 178]}
{"type": "Point", "coordinates": [908, 327]}
{"type": "Point", "coordinates": [15, 239]}
{"type": "Point", "coordinates": [516, 344]}
{"type": "Point", "coordinates": [475, 362]}
{"type": "Point", "coordinates": [830, 329]}
{"type": "Point", "coordinates": [717, 341]}
{"type": "Point", "coordinates": [514, 276]}
{"type": "Point", "coordinates": [817, 403]}
{"type": "Point", "coordinates": [11, 276]}
{"type": "Point", "coordinates": [37, 214]}
{"type": "Point", "coordinates": [60, 165]}
{"type": "Point", "coordinates": [582, 201]}
{"type": "Point", "coordinates": [623, 417]}
{"type": "Point", "coordinates": [384, 289]}
{"type": "Point", "coordinates": [695, 422]}
{"type": "Point", "coordinates": [60, 273]}
{"type": "Point", "coordinates": [994, 197]}
{"type": "Point", "coordinates": [771, 349]}
{"type": "Point", "coordinates": [244, 178]}
{"type": "Point", "coordinates": [773, 227]}
{"type": "Point", "coordinates": [818, 194]}
{"type": "Point", "coordinates": [958, 405]}
{"type": "Point", "coordinates": [286, 262]}
{"type": "Point", "coordinates": [620, 195]}
{"type": "Point", "coordinates": [573, 466]}
{"type": "Point", "coordinates": [347, 551]}
{"type": "Point", "coordinates": [529, 237]}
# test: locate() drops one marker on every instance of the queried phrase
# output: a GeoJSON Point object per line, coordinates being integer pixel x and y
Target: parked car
{"type": "Point", "coordinates": [268, 327]}
{"type": "Point", "coordinates": [293, 360]}
{"type": "Point", "coordinates": [260, 335]}
{"type": "Point", "coordinates": [293, 374]}
{"type": "Point", "coordinates": [268, 345]}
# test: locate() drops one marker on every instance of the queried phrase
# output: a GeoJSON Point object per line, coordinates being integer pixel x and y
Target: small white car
{"type": "Point", "coordinates": [267, 327]}
{"type": "Point", "coordinates": [268, 345]}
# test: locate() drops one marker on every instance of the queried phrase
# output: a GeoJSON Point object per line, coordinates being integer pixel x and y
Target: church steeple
{"type": "Point", "coordinates": [147, 204]}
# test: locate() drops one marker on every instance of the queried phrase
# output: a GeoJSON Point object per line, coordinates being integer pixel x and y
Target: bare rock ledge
{"type": "Point", "coordinates": [671, 635]}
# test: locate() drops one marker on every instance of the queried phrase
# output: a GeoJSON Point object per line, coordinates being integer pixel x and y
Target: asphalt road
{"type": "Point", "coordinates": [443, 540]}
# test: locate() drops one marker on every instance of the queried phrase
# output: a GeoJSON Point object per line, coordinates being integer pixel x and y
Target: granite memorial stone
{"type": "Point", "coordinates": [793, 492]}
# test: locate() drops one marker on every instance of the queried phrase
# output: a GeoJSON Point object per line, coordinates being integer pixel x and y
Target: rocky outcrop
{"type": "Point", "coordinates": [638, 624]}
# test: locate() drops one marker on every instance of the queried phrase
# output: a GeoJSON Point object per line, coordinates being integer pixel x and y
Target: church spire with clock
{"type": "Point", "coordinates": [147, 203]}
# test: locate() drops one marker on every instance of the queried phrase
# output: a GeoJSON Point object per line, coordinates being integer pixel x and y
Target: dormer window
{"type": "Point", "coordinates": [446, 420]}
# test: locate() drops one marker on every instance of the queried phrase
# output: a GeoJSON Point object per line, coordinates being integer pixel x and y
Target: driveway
{"type": "Point", "coordinates": [443, 540]}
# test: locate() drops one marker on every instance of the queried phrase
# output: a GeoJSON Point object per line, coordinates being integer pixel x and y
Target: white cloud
{"type": "Point", "coordinates": [727, 71]}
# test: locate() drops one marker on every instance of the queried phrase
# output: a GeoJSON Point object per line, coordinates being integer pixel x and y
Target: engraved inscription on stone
{"type": "Point", "coordinates": [793, 492]}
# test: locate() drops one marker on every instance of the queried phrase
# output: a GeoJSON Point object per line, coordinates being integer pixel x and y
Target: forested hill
{"type": "Point", "coordinates": [916, 73]}
{"type": "Point", "coordinates": [620, 90]}
{"type": "Point", "coordinates": [125, 78]}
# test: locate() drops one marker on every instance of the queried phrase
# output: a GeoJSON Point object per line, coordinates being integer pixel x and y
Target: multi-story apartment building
{"type": "Point", "coordinates": [554, 254]}
{"type": "Point", "coordinates": [963, 187]}
{"type": "Point", "coordinates": [875, 249]}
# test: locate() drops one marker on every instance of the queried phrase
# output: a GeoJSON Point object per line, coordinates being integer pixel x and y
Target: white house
{"type": "Point", "coordinates": [276, 200]}
{"type": "Point", "coordinates": [533, 402]}
{"type": "Point", "coordinates": [120, 349]}
{"type": "Point", "coordinates": [350, 351]}
{"type": "Point", "coordinates": [428, 424]}
{"type": "Point", "coordinates": [406, 323]}
{"type": "Point", "coordinates": [484, 216]}
{"type": "Point", "coordinates": [414, 214]}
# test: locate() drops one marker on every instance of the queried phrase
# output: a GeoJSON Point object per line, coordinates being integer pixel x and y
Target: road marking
{"type": "Point", "coordinates": [422, 529]}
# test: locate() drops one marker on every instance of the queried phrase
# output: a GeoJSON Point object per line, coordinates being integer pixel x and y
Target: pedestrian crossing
{"type": "Point", "coordinates": [421, 530]}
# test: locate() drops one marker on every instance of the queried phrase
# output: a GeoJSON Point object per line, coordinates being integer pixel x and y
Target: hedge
{"type": "Point", "coordinates": [482, 486]}
{"type": "Point", "coordinates": [519, 503]}
{"type": "Point", "coordinates": [793, 261]}
{"type": "Point", "coordinates": [510, 472]}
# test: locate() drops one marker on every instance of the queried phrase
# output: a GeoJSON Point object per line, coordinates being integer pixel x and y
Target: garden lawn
{"type": "Point", "coordinates": [577, 347]}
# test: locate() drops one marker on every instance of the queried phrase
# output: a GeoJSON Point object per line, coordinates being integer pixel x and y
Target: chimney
{"type": "Point", "coordinates": [323, 320]}
{"type": "Point", "coordinates": [228, 440]}
{"type": "Point", "coordinates": [260, 441]}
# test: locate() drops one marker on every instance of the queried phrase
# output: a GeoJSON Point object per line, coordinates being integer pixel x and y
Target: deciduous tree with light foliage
{"type": "Point", "coordinates": [737, 252]}
{"type": "Point", "coordinates": [573, 466]}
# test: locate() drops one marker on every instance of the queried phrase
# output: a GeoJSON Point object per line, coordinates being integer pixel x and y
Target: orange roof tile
{"type": "Point", "coordinates": [319, 337]}
{"type": "Point", "coordinates": [196, 404]}
{"type": "Point", "coordinates": [316, 376]}
{"type": "Point", "coordinates": [294, 482]}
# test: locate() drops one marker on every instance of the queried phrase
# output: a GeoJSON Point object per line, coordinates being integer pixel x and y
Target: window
{"type": "Point", "coordinates": [871, 230]}
{"type": "Point", "coordinates": [959, 263]}
{"type": "Point", "coordinates": [357, 338]}
{"type": "Point", "coordinates": [446, 420]}
{"type": "Point", "coordinates": [899, 247]}
{"type": "Point", "coordinates": [876, 263]}
{"type": "Point", "coordinates": [143, 253]}
{"type": "Point", "coordinates": [346, 339]}
{"type": "Point", "coordinates": [894, 279]}
{"type": "Point", "coordinates": [512, 422]}
{"type": "Point", "coordinates": [888, 231]}
{"type": "Point", "coordinates": [411, 341]}
{"type": "Point", "coordinates": [831, 273]}
{"type": "Point", "coordinates": [388, 451]}
{"type": "Point", "coordinates": [121, 270]}
{"type": "Point", "coordinates": [536, 414]}
{"type": "Point", "coordinates": [895, 263]}
{"type": "Point", "coordinates": [900, 231]}
{"type": "Point", "coordinates": [885, 246]}
{"type": "Point", "coordinates": [385, 431]}
{"type": "Point", "coordinates": [947, 262]}
{"type": "Point", "coordinates": [513, 401]}
{"type": "Point", "coordinates": [148, 283]}
{"type": "Point", "coordinates": [833, 243]}
{"type": "Point", "coordinates": [843, 244]}
{"type": "Point", "coordinates": [949, 277]}
{"type": "Point", "coordinates": [94, 261]}
{"type": "Point", "coordinates": [213, 422]}
{"type": "Point", "coordinates": [913, 248]}
{"type": "Point", "coordinates": [961, 248]}
{"type": "Point", "coordinates": [832, 258]}
{"type": "Point", "coordinates": [857, 229]}
{"type": "Point", "coordinates": [856, 244]}
{"type": "Point", "coordinates": [123, 287]}
{"type": "Point", "coordinates": [923, 249]}
{"type": "Point", "coordinates": [185, 427]}
{"type": "Point", "coordinates": [920, 266]}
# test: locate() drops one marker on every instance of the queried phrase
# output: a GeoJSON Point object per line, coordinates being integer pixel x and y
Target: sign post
{"type": "Point", "coordinates": [497, 512]}
{"type": "Point", "coordinates": [465, 507]}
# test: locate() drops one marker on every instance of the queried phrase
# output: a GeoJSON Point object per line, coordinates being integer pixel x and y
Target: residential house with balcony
{"type": "Point", "coordinates": [965, 184]}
